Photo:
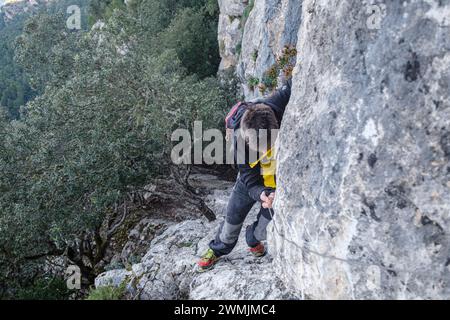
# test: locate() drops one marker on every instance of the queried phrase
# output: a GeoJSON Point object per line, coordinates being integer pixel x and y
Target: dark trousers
{"type": "Point", "coordinates": [238, 208]}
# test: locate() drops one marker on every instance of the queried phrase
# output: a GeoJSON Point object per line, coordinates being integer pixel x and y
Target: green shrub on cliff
{"type": "Point", "coordinates": [107, 293]}
{"type": "Point", "coordinates": [100, 129]}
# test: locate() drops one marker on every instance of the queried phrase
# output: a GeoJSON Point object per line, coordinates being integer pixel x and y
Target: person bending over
{"type": "Point", "coordinates": [255, 183]}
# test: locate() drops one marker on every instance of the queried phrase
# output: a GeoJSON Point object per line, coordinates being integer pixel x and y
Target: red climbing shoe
{"type": "Point", "coordinates": [207, 261]}
{"type": "Point", "coordinates": [258, 251]}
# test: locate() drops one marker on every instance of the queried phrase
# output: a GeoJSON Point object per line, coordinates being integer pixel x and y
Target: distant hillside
{"type": "Point", "coordinates": [15, 90]}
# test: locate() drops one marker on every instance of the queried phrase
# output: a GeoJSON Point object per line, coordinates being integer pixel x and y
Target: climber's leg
{"type": "Point", "coordinates": [257, 231]}
{"type": "Point", "coordinates": [238, 207]}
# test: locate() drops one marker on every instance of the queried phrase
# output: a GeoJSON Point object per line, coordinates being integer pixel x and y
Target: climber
{"type": "Point", "coordinates": [256, 180]}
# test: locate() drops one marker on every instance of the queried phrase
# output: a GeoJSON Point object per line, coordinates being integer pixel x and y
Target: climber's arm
{"type": "Point", "coordinates": [253, 180]}
{"type": "Point", "coordinates": [281, 97]}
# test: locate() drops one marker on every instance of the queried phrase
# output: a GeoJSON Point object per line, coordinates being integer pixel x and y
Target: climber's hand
{"type": "Point", "coordinates": [267, 201]}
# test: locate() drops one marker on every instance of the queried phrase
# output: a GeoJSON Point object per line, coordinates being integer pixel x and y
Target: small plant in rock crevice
{"type": "Point", "coordinates": [255, 55]}
{"type": "Point", "coordinates": [246, 14]}
{"type": "Point", "coordinates": [238, 48]}
{"type": "Point", "coordinates": [252, 83]}
{"type": "Point", "coordinates": [284, 64]}
{"type": "Point", "coordinates": [285, 59]}
{"type": "Point", "coordinates": [108, 293]}
{"type": "Point", "coordinates": [262, 88]}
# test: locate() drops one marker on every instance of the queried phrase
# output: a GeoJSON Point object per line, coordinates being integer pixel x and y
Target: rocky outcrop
{"type": "Point", "coordinates": [230, 32]}
{"type": "Point", "coordinates": [168, 269]}
{"type": "Point", "coordinates": [363, 204]}
{"type": "Point", "coordinates": [271, 25]}
{"type": "Point", "coordinates": [252, 34]}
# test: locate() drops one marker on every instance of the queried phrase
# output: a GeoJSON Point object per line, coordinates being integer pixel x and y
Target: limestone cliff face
{"type": "Point", "coordinates": [271, 25]}
{"type": "Point", "coordinates": [230, 32]}
{"type": "Point", "coordinates": [363, 207]}
{"type": "Point", "coordinates": [252, 34]}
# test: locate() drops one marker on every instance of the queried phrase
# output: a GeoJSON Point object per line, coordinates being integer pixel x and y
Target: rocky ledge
{"type": "Point", "coordinates": [168, 269]}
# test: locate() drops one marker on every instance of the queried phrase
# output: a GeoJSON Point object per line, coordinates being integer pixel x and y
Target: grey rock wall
{"type": "Point", "coordinates": [252, 33]}
{"type": "Point", "coordinates": [363, 203]}
{"type": "Point", "coordinates": [271, 25]}
{"type": "Point", "coordinates": [230, 32]}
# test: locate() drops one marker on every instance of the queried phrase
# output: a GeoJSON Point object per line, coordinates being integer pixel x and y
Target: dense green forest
{"type": "Point", "coordinates": [14, 88]}
{"type": "Point", "coordinates": [97, 124]}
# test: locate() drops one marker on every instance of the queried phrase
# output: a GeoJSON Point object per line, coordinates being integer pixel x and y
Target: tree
{"type": "Point", "coordinates": [14, 88]}
{"type": "Point", "coordinates": [46, 50]}
{"type": "Point", "coordinates": [98, 131]}
{"type": "Point", "coordinates": [12, 76]}
{"type": "Point", "coordinates": [192, 35]}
